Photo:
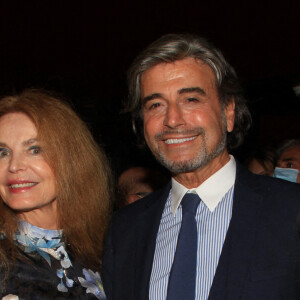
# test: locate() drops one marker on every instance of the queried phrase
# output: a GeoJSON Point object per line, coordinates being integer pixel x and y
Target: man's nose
{"type": "Point", "coordinates": [174, 116]}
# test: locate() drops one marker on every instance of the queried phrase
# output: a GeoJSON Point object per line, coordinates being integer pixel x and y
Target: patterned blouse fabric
{"type": "Point", "coordinates": [47, 271]}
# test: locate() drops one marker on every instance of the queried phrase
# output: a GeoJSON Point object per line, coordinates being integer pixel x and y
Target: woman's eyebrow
{"type": "Point", "coordinates": [25, 143]}
{"type": "Point", "coordinates": [29, 142]}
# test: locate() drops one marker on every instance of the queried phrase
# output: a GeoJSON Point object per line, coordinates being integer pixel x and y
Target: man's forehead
{"type": "Point", "coordinates": [291, 153]}
{"type": "Point", "coordinates": [187, 70]}
{"type": "Point", "coordinates": [188, 61]}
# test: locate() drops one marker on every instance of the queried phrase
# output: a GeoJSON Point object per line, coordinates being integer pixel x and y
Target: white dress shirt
{"type": "Point", "coordinates": [212, 217]}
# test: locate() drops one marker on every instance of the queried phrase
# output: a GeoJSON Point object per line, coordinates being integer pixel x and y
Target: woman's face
{"type": "Point", "coordinates": [27, 183]}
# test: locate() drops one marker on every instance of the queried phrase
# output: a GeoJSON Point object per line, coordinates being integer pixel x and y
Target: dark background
{"type": "Point", "coordinates": [82, 50]}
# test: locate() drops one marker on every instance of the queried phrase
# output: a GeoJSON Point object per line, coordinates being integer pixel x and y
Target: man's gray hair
{"type": "Point", "coordinates": [286, 144]}
{"type": "Point", "coordinates": [173, 47]}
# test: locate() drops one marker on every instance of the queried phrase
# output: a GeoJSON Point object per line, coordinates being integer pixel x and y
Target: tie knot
{"type": "Point", "coordinates": [189, 203]}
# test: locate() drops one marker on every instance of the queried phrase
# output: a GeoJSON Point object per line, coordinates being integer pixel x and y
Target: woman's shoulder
{"type": "Point", "coordinates": [43, 268]}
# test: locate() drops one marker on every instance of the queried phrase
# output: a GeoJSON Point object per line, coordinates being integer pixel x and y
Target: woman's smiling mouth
{"type": "Point", "coordinates": [22, 185]}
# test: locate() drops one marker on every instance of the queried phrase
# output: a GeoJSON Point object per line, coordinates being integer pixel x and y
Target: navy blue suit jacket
{"type": "Point", "coordinates": [260, 258]}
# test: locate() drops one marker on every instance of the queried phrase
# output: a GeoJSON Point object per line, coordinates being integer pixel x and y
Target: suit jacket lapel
{"type": "Point", "coordinates": [237, 250]}
{"type": "Point", "coordinates": [147, 227]}
{"type": "Point", "coordinates": [240, 239]}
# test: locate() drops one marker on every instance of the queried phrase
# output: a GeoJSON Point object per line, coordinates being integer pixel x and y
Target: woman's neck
{"type": "Point", "coordinates": [46, 221]}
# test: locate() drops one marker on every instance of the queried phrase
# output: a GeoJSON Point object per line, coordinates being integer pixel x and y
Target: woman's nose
{"type": "Point", "coordinates": [17, 163]}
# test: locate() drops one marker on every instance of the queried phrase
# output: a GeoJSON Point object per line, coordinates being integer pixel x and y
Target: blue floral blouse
{"type": "Point", "coordinates": [47, 272]}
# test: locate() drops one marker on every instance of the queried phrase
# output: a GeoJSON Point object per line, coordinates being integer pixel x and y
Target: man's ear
{"type": "Point", "coordinates": [229, 112]}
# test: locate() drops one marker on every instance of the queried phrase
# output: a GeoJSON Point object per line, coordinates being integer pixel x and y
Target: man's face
{"type": "Point", "coordinates": [184, 124]}
{"type": "Point", "coordinates": [290, 158]}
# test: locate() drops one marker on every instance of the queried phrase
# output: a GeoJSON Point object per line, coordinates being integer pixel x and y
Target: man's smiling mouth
{"type": "Point", "coordinates": [179, 141]}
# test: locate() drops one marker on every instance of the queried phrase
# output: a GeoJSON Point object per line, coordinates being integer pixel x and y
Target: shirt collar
{"type": "Point", "coordinates": [211, 191]}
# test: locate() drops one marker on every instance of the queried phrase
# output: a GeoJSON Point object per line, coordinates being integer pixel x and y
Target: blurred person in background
{"type": "Point", "coordinates": [288, 161]}
{"type": "Point", "coordinates": [261, 161]}
{"type": "Point", "coordinates": [137, 182]}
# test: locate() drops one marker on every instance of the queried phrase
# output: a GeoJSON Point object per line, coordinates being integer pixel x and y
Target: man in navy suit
{"type": "Point", "coordinates": [187, 102]}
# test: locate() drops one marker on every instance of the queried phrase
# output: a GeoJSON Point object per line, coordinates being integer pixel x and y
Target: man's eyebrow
{"type": "Point", "coordinates": [151, 97]}
{"type": "Point", "coordinates": [192, 90]}
{"type": "Point", "coordinates": [288, 159]}
{"type": "Point", "coordinates": [181, 91]}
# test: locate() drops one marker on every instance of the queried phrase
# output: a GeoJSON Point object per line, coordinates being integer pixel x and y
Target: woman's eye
{"type": "Point", "coordinates": [35, 150]}
{"type": "Point", "coordinates": [4, 152]}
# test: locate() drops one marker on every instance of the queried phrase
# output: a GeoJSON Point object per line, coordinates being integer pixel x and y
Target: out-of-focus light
{"type": "Point", "coordinates": [296, 90]}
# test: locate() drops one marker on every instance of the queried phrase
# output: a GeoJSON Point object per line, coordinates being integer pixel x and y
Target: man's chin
{"type": "Point", "coordinates": [180, 166]}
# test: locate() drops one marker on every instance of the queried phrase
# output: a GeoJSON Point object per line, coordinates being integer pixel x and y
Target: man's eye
{"type": "Point", "coordinates": [154, 105]}
{"type": "Point", "coordinates": [289, 165]}
{"type": "Point", "coordinates": [192, 99]}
